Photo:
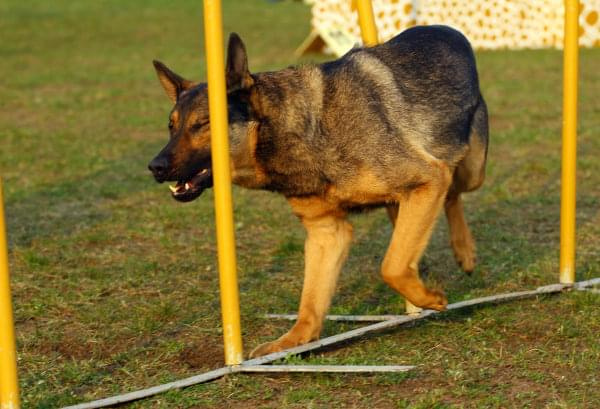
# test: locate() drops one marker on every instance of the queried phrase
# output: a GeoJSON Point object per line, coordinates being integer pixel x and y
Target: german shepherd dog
{"type": "Point", "coordinates": [401, 125]}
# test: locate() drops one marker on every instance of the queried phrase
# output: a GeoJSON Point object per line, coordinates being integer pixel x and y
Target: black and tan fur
{"type": "Point", "coordinates": [401, 125]}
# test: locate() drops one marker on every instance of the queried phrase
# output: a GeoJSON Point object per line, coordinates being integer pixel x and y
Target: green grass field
{"type": "Point", "coordinates": [115, 284]}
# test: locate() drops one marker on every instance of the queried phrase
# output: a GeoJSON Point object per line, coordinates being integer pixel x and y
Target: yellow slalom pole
{"type": "Point", "coordinates": [217, 100]}
{"type": "Point", "coordinates": [368, 29]}
{"type": "Point", "coordinates": [569, 142]}
{"type": "Point", "coordinates": [9, 386]}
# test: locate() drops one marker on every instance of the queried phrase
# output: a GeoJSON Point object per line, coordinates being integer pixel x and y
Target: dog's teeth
{"type": "Point", "coordinates": [204, 171]}
{"type": "Point", "coordinates": [187, 186]}
{"type": "Point", "coordinates": [173, 188]}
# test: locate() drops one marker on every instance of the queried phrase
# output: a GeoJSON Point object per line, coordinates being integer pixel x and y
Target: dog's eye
{"type": "Point", "coordinates": [171, 125]}
{"type": "Point", "coordinates": [199, 125]}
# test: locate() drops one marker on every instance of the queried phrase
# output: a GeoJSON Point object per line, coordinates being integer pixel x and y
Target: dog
{"type": "Point", "coordinates": [401, 125]}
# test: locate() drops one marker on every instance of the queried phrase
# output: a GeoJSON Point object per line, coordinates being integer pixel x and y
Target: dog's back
{"type": "Point", "coordinates": [421, 87]}
{"type": "Point", "coordinates": [384, 111]}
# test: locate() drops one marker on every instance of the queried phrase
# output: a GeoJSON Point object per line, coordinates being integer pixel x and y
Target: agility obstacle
{"type": "Point", "coordinates": [9, 386]}
{"type": "Point", "coordinates": [217, 105]}
{"type": "Point", "coordinates": [489, 25]}
{"type": "Point", "coordinates": [262, 364]}
{"type": "Point", "coordinates": [9, 392]}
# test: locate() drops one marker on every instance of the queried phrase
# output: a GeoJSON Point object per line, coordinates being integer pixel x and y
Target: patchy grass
{"type": "Point", "coordinates": [115, 286]}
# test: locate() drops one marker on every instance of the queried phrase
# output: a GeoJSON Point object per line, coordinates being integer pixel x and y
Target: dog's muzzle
{"type": "Point", "coordinates": [187, 188]}
{"type": "Point", "coordinates": [159, 167]}
{"type": "Point", "coordinates": [186, 191]}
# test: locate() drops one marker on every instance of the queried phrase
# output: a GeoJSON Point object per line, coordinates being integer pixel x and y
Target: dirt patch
{"type": "Point", "coordinates": [73, 348]}
{"type": "Point", "coordinates": [74, 345]}
{"type": "Point", "coordinates": [202, 354]}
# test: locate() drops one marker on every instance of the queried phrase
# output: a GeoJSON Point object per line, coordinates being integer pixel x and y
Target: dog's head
{"type": "Point", "coordinates": [186, 159]}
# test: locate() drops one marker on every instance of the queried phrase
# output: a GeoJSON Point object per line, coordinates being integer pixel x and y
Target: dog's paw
{"type": "Point", "coordinates": [436, 300]}
{"type": "Point", "coordinates": [266, 349]}
{"type": "Point", "coordinates": [466, 261]}
{"type": "Point", "coordinates": [285, 342]}
{"type": "Point", "coordinates": [464, 253]}
{"type": "Point", "coordinates": [289, 340]}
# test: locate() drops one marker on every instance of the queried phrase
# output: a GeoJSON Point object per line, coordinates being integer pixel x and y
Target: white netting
{"type": "Point", "coordinates": [487, 23]}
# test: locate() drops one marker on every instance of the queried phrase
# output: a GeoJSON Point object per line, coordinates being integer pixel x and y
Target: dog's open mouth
{"type": "Point", "coordinates": [188, 190]}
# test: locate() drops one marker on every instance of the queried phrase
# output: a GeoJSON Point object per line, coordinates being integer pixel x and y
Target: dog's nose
{"type": "Point", "coordinates": [158, 167]}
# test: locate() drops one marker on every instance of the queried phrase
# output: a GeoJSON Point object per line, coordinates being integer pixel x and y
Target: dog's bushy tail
{"type": "Point", "coordinates": [479, 124]}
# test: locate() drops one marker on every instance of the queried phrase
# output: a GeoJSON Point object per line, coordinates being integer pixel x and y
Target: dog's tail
{"type": "Point", "coordinates": [479, 124]}
{"type": "Point", "coordinates": [470, 171]}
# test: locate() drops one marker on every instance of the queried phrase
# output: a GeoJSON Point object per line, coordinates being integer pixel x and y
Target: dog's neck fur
{"type": "Point", "coordinates": [290, 99]}
{"type": "Point", "coordinates": [288, 104]}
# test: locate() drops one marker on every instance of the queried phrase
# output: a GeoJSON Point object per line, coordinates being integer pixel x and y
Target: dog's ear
{"type": "Point", "coordinates": [236, 73]}
{"type": "Point", "coordinates": [171, 82]}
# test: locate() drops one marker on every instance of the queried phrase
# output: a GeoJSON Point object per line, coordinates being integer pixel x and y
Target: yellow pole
{"type": "Point", "coordinates": [368, 29]}
{"type": "Point", "coordinates": [217, 100]}
{"type": "Point", "coordinates": [569, 142]}
{"type": "Point", "coordinates": [9, 387]}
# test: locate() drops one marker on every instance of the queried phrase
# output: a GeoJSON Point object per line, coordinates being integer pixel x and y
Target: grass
{"type": "Point", "coordinates": [115, 285]}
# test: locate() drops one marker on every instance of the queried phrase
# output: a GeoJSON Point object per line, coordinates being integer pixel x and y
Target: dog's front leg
{"type": "Point", "coordinates": [327, 243]}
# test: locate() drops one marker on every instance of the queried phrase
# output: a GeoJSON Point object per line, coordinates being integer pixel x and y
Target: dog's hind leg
{"type": "Point", "coordinates": [326, 248]}
{"type": "Point", "coordinates": [468, 176]}
{"type": "Point", "coordinates": [461, 239]}
{"type": "Point", "coordinates": [419, 208]}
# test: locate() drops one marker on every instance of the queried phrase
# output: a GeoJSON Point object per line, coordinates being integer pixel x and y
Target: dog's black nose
{"type": "Point", "coordinates": [158, 167]}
